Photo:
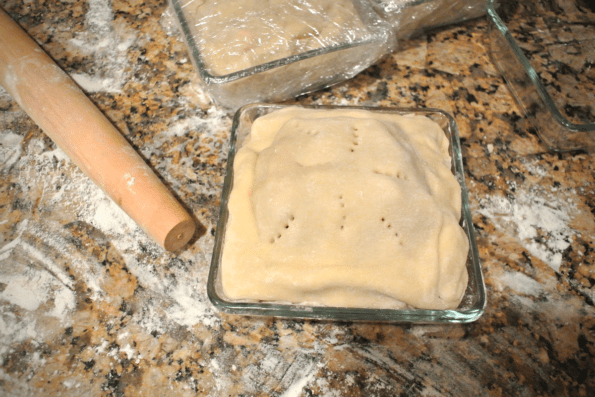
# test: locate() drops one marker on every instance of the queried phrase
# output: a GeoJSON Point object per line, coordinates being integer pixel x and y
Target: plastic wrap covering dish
{"type": "Point", "coordinates": [271, 50]}
{"type": "Point", "coordinates": [410, 17]}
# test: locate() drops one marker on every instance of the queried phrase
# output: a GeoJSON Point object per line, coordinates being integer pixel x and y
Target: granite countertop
{"type": "Point", "coordinates": [89, 305]}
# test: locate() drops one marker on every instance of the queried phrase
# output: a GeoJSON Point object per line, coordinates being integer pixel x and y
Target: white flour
{"type": "Point", "coordinates": [183, 295]}
{"type": "Point", "coordinates": [540, 220]}
{"type": "Point", "coordinates": [10, 150]}
{"type": "Point", "coordinates": [188, 304]}
{"type": "Point", "coordinates": [107, 46]}
{"type": "Point", "coordinates": [271, 370]}
{"type": "Point", "coordinates": [521, 283]}
{"type": "Point", "coordinates": [108, 217]}
{"type": "Point", "coordinates": [305, 376]}
{"type": "Point", "coordinates": [30, 291]}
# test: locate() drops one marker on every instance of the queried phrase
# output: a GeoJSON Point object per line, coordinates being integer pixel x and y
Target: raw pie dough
{"type": "Point", "coordinates": [238, 34]}
{"type": "Point", "coordinates": [345, 208]}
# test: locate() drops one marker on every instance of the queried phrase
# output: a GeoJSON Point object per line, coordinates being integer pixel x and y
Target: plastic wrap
{"type": "Point", "coordinates": [272, 50]}
{"type": "Point", "coordinates": [410, 17]}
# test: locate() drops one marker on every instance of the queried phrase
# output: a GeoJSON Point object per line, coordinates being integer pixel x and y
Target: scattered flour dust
{"type": "Point", "coordinates": [188, 305]}
{"type": "Point", "coordinates": [215, 120]}
{"type": "Point", "coordinates": [31, 291]}
{"type": "Point", "coordinates": [106, 215]}
{"type": "Point", "coordinates": [38, 286]}
{"type": "Point", "coordinates": [521, 283]}
{"type": "Point", "coordinates": [295, 389]}
{"type": "Point", "coordinates": [539, 220]}
{"type": "Point", "coordinates": [107, 46]}
{"type": "Point", "coordinates": [273, 370]}
{"type": "Point", "coordinates": [10, 150]}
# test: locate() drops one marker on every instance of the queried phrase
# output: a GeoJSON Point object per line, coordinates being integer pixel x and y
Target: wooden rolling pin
{"type": "Point", "coordinates": [73, 122]}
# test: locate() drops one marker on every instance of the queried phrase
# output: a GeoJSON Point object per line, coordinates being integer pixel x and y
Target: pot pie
{"type": "Point", "coordinates": [345, 208]}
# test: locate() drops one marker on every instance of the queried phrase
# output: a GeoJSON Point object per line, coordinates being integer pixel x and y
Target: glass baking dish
{"type": "Point", "coordinates": [473, 303]}
{"type": "Point", "coordinates": [545, 50]}
{"type": "Point", "coordinates": [303, 71]}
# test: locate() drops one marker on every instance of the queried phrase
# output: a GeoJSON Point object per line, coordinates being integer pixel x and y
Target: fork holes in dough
{"type": "Point", "coordinates": [396, 174]}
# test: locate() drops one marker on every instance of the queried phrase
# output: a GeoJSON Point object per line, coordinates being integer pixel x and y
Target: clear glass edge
{"type": "Point", "coordinates": [531, 73]}
{"type": "Point", "coordinates": [377, 36]}
{"type": "Point", "coordinates": [418, 316]}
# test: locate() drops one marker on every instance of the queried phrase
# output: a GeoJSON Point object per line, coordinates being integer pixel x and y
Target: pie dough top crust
{"type": "Point", "coordinates": [345, 208]}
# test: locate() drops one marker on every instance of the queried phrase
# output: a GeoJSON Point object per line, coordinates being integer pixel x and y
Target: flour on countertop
{"type": "Point", "coordinates": [53, 178]}
{"type": "Point", "coordinates": [93, 84]}
{"type": "Point", "coordinates": [535, 169]}
{"type": "Point", "coordinates": [29, 282]}
{"type": "Point", "coordinates": [10, 150]}
{"type": "Point", "coordinates": [106, 215]}
{"type": "Point", "coordinates": [33, 288]}
{"type": "Point", "coordinates": [108, 48]}
{"type": "Point", "coordinates": [188, 306]}
{"type": "Point", "coordinates": [214, 119]}
{"type": "Point", "coordinates": [14, 387]}
{"type": "Point", "coordinates": [521, 283]}
{"type": "Point", "coordinates": [541, 222]}
{"type": "Point", "coordinates": [30, 290]}
{"type": "Point", "coordinates": [271, 371]}
{"type": "Point", "coordinates": [306, 376]}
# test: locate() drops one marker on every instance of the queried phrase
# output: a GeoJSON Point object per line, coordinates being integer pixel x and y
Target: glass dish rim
{"type": "Point", "coordinates": [288, 310]}
{"type": "Point", "coordinates": [491, 11]}
{"type": "Point", "coordinates": [376, 35]}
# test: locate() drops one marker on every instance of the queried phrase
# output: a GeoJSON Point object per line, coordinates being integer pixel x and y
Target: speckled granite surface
{"type": "Point", "coordinates": [90, 306]}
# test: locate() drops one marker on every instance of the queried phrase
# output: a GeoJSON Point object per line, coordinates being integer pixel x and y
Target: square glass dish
{"type": "Point", "coordinates": [545, 50]}
{"type": "Point", "coordinates": [268, 51]}
{"type": "Point", "coordinates": [474, 300]}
